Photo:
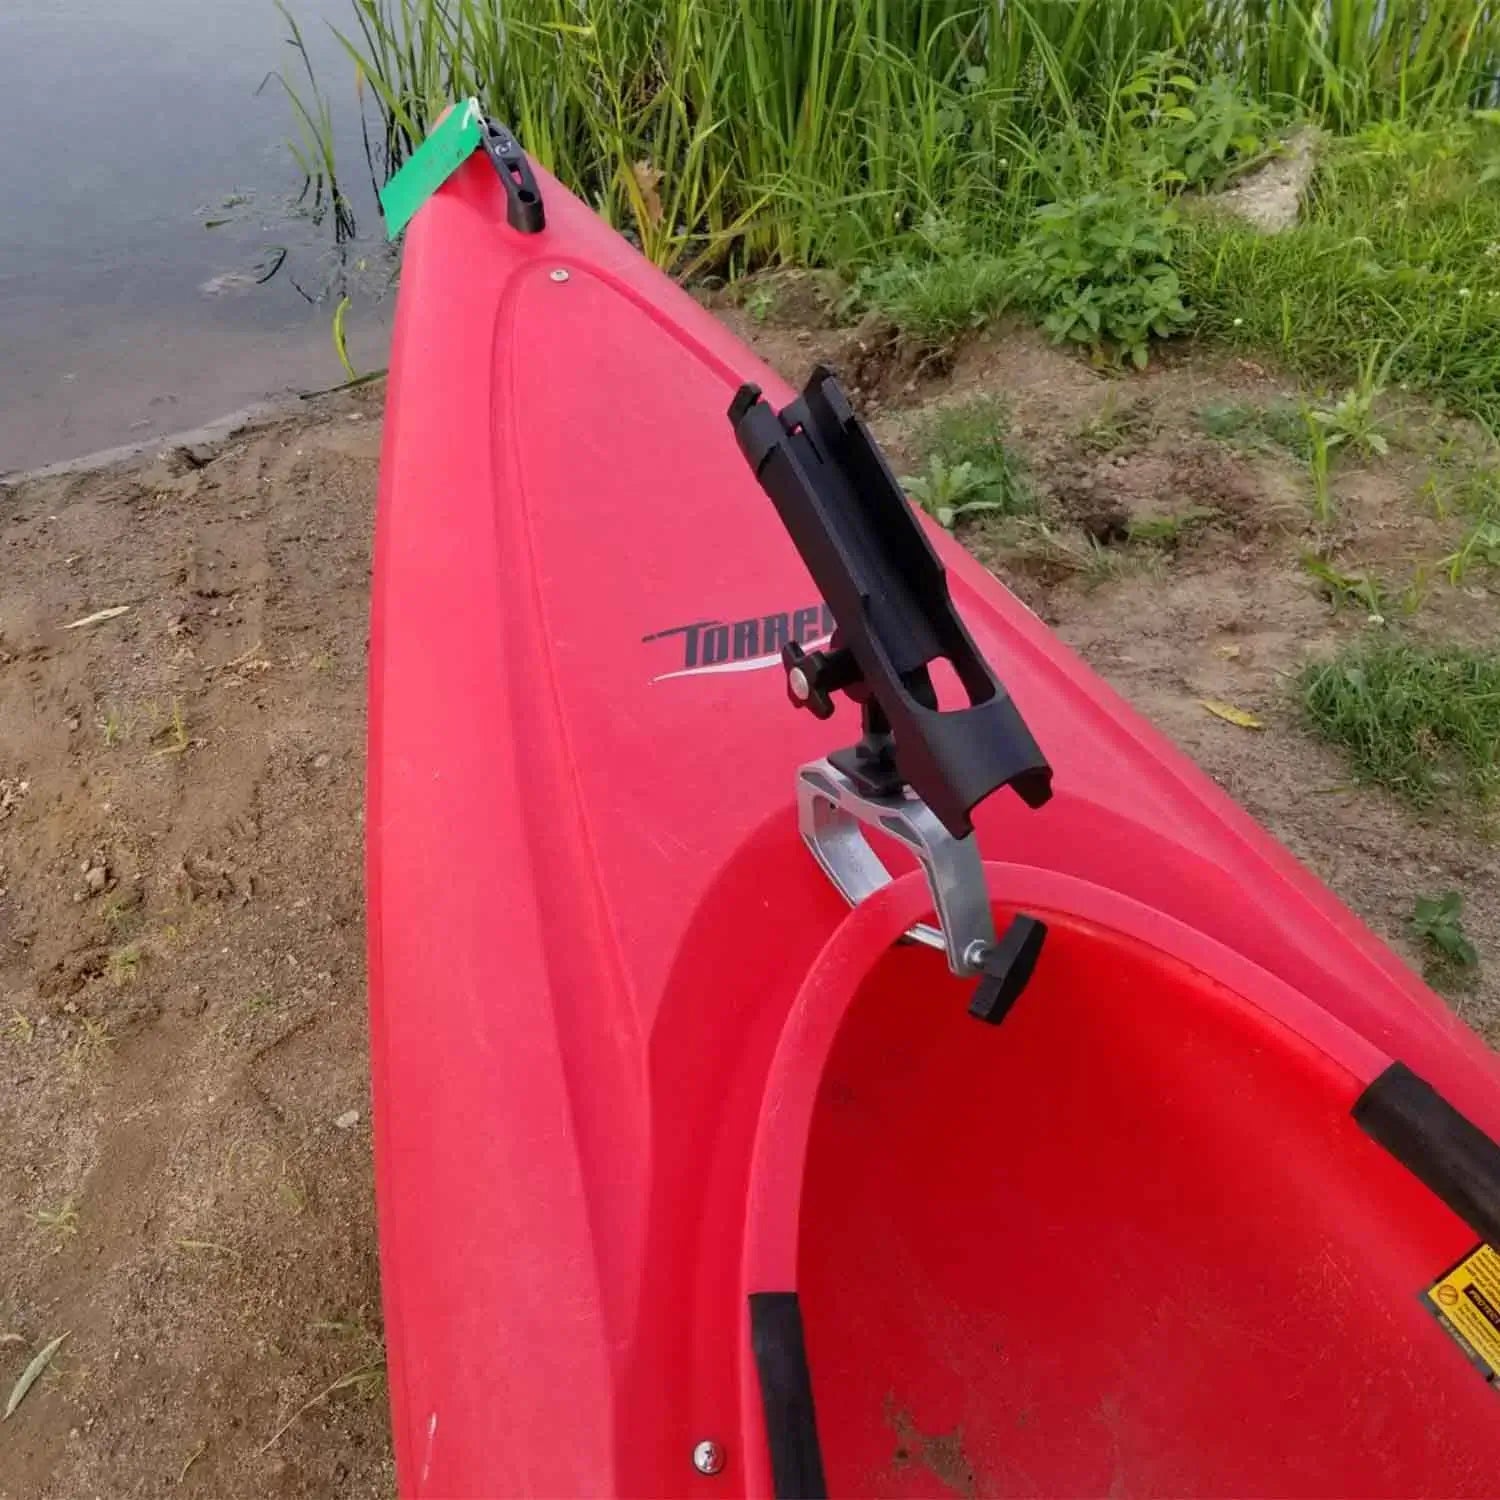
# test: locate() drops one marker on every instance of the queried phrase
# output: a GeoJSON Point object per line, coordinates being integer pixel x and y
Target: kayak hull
{"type": "Point", "coordinates": [634, 1061]}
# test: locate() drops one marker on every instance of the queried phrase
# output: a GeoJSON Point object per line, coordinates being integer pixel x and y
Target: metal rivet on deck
{"type": "Point", "coordinates": [559, 274]}
{"type": "Point", "coordinates": [708, 1457]}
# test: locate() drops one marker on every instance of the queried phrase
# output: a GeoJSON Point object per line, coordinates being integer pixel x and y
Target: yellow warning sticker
{"type": "Point", "coordinates": [1467, 1303]}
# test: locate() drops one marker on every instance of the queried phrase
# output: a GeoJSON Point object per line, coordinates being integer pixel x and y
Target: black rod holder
{"type": "Point", "coordinates": [888, 592]}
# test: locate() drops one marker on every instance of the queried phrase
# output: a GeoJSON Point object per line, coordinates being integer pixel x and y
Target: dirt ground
{"type": "Point", "coordinates": [183, 1190]}
{"type": "Point", "coordinates": [185, 1185]}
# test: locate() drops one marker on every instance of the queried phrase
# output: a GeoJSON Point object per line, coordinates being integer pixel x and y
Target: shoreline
{"type": "Point", "coordinates": [231, 424]}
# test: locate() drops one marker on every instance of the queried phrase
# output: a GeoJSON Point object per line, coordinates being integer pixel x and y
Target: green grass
{"type": "Point", "coordinates": [1423, 722]}
{"type": "Point", "coordinates": [1397, 252]}
{"type": "Point", "coordinates": [1064, 553]}
{"type": "Point", "coordinates": [771, 133]}
{"type": "Point", "coordinates": [954, 158]}
{"type": "Point", "coordinates": [312, 144]}
{"type": "Point", "coordinates": [1472, 495]}
{"type": "Point", "coordinates": [1352, 423]}
{"type": "Point", "coordinates": [800, 130]}
{"type": "Point", "coordinates": [936, 298]}
{"type": "Point", "coordinates": [1276, 425]}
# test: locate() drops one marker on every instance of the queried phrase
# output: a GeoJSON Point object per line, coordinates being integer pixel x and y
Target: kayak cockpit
{"type": "Point", "coordinates": [1129, 1241]}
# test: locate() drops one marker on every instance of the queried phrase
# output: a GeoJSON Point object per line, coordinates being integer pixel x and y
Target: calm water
{"type": "Point", "coordinates": [131, 124]}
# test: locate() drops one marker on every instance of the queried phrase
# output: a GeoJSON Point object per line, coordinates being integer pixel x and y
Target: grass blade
{"type": "Point", "coordinates": [339, 346]}
{"type": "Point", "coordinates": [31, 1374]}
{"type": "Point", "coordinates": [361, 1379]}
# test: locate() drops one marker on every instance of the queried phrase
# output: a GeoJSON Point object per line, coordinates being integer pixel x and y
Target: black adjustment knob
{"type": "Point", "coordinates": [812, 677]}
{"type": "Point", "coordinates": [1006, 969]}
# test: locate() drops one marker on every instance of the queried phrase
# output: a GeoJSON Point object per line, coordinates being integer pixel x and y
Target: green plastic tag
{"type": "Point", "coordinates": [445, 150]}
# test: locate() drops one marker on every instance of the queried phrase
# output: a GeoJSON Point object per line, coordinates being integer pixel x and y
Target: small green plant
{"type": "Point", "coordinates": [1359, 589]}
{"type": "Point", "coordinates": [969, 466]}
{"type": "Point", "coordinates": [949, 492]}
{"type": "Point", "coordinates": [60, 1223]}
{"type": "Point", "coordinates": [1412, 596]}
{"type": "Point", "coordinates": [1115, 425]}
{"type": "Point", "coordinates": [1098, 267]}
{"type": "Point", "coordinates": [94, 1042]}
{"type": "Point", "coordinates": [1480, 546]}
{"type": "Point", "coordinates": [1352, 422]}
{"type": "Point", "coordinates": [1437, 923]}
{"type": "Point", "coordinates": [291, 1190]}
{"type": "Point", "coordinates": [1423, 722]}
{"type": "Point", "coordinates": [1317, 465]}
{"type": "Point", "coordinates": [119, 904]}
{"type": "Point", "coordinates": [1192, 132]}
{"type": "Point", "coordinates": [111, 728]}
{"type": "Point", "coordinates": [173, 731]}
{"type": "Point", "coordinates": [1436, 500]}
{"type": "Point", "coordinates": [19, 1027]}
{"type": "Point", "coordinates": [759, 301]}
{"type": "Point", "coordinates": [1169, 531]}
{"type": "Point", "coordinates": [123, 966]}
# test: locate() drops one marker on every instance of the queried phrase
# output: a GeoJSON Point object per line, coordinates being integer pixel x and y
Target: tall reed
{"type": "Point", "coordinates": [748, 130]}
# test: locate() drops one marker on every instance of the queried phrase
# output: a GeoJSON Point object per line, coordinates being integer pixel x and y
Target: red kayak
{"type": "Point", "coordinates": [1084, 1146]}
